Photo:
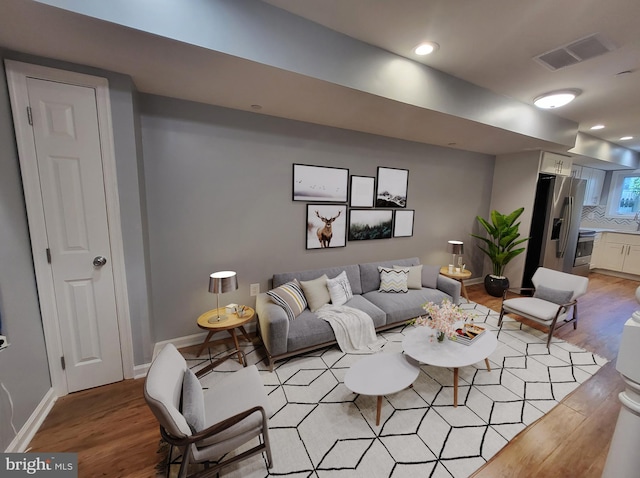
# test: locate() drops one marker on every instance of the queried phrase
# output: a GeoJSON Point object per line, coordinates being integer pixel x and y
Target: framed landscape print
{"type": "Point", "coordinates": [392, 187]}
{"type": "Point", "coordinates": [367, 224]}
{"type": "Point", "coordinates": [320, 183]}
{"type": "Point", "coordinates": [326, 226]}
{"type": "Point", "coordinates": [362, 191]}
{"type": "Point", "coordinates": [403, 223]}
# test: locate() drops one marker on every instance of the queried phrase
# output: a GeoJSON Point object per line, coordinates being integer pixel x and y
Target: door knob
{"type": "Point", "coordinates": [99, 261]}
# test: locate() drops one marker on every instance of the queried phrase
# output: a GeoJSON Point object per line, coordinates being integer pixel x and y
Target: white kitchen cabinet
{"type": "Point", "coordinates": [558, 164]}
{"type": "Point", "coordinates": [621, 253]}
{"type": "Point", "coordinates": [576, 171]}
{"type": "Point", "coordinates": [596, 253]}
{"type": "Point", "coordinates": [595, 182]}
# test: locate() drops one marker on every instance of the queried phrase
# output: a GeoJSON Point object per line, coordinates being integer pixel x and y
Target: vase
{"type": "Point", "coordinates": [495, 285]}
{"type": "Point", "coordinates": [440, 336]}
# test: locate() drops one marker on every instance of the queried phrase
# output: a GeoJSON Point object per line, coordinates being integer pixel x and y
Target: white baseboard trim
{"type": "Point", "coordinates": [476, 280]}
{"type": "Point", "coordinates": [180, 342]}
{"type": "Point", "coordinates": [21, 441]}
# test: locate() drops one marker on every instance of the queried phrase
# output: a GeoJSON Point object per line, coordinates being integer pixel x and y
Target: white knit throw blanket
{"type": "Point", "coordinates": [353, 328]}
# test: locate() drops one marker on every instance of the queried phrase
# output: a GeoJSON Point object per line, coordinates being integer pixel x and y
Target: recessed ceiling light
{"type": "Point", "coordinates": [626, 138]}
{"type": "Point", "coordinates": [556, 99]}
{"type": "Point", "coordinates": [598, 126]}
{"type": "Point", "coordinates": [426, 48]}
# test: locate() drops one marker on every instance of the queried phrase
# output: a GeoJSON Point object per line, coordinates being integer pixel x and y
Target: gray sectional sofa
{"type": "Point", "coordinates": [284, 338]}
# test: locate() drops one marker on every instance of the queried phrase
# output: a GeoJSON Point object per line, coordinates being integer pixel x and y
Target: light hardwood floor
{"type": "Point", "coordinates": [115, 434]}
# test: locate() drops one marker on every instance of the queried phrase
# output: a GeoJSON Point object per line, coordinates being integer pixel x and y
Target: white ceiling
{"type": "Point", "coordinates": [490, 43]}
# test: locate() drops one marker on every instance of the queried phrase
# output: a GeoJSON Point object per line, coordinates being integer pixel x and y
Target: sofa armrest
{"type": "Point", "coordinates": [451, 287]}
{"type": "Point", "coordinates": [274, 324]}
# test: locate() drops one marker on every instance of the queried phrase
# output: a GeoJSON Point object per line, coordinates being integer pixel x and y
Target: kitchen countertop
{"type": "Point", "coordinates": [610, 229]}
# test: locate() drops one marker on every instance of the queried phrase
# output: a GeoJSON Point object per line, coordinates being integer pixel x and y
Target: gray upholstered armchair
{"type": "Point", "coordinates": [555, 300]}
{"type": "Point", "coordinates": [208, 424]}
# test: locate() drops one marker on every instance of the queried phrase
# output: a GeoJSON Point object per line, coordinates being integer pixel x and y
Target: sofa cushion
{"type": "Point", "coordinates": [353, 273]}
{"type": "Point", "coordinates": [400, 307]}
{"type": "Point", "coordinates": [339, 289]}
{"type": "Point", "coordinates": [393, 280]}
{"type": "Point", "coordinates": [414, 281]}
{"type": "Point", "coordinates": [309, 330]}
{"type": "Point", "coordinates": [316, 292]}
{"type": "Point", "coordinates": [370, 275]}
{"type": "Point", "coordinates": [290, 297]}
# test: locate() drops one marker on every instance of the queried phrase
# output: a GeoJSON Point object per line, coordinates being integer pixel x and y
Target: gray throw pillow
{"type": "Point", "coordinates": [193, 401]}
{"type": "Point", "coordinates": [556, 296]}
{"type": "Point", "coordinates": [430, 276]}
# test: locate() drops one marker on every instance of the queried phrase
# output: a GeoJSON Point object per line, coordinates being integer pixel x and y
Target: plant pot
{"type": "Point", "coordinates": [495, 285]}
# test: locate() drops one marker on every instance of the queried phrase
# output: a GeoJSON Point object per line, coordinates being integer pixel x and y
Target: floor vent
{"type": "Point", "coordinates": [575, 52]}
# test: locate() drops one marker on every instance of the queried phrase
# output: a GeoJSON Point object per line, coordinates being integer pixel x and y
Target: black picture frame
{"type": "Point", "coordinates": [362, 191]}
{"type": "Point", "coordinates": [392, 187]}
{"type": "Point", "coordinates": [370, 224]}
{"type": "Point", "coordinates": [320, 183]}
{"type": "Point", "coordinates": [403, 220]}
{"type": "Point", "coordinates": [321, 216]}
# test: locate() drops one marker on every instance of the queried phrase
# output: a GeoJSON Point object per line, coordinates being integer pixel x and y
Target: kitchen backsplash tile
{"type": "Point", "coordinates": [594, 216]}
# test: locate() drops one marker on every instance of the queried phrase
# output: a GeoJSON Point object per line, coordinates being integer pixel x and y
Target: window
{"type": "Point", "coordinates": [624, 194]}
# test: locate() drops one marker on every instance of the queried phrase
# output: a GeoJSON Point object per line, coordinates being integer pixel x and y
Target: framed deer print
{"type": "Point", "coordinates": [320, 183]}
{"type": "Point", "coordinates": [326, 226]}
{"type": "Point", "coordinates": [392, 187]}
{"type": "Point", "coordinates": [366, 224]}
{"type": "Point", "coordinates": [403, 223]}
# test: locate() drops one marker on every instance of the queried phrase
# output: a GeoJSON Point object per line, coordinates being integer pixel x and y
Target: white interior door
{"type": "Point", "coordinates": [68, 167]}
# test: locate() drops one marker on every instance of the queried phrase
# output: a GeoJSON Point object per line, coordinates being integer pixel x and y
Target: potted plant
{"type": "Point", "coordinates": [500, 246]}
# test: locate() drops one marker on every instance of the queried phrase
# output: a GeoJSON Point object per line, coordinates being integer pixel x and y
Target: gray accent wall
{"type": "Point", "coordinates": [219, 196]}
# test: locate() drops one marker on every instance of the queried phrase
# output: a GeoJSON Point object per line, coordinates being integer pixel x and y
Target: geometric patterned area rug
{"type": "Point", "coordinates": [321, 429]}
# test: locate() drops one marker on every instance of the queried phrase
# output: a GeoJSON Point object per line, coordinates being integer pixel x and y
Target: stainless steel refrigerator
{"type": "Point", "coordinates": [555, 224]}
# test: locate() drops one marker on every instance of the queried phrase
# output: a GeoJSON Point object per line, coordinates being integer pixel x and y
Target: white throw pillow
{"type": "Point", "coordinates": [340, 289]}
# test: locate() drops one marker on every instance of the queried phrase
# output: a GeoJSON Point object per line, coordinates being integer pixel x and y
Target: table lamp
{"type": "Point", "coordinates": [456, 247]}
{"type": "Point", "coordinates": [219, 283]}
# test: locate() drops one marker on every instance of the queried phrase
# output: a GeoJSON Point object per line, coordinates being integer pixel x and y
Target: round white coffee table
{"type": "Point", "coordinates": [381, 374]}
{"type": "Point", "coordinates": [448, 353]}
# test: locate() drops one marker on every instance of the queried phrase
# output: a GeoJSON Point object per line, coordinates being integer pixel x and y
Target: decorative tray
{"type": "Point", "coordinates": [468, 333]}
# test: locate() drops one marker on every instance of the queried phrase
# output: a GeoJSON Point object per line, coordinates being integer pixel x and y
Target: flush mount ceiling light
{"type": "Point", "coordinates": [626, 138]}
{"type": "Point", "coordinates": [598, 126]}
{"type": "Point", "coordinates": [556, 99]}
{"type": "Point", "coordinates": [426, 48]}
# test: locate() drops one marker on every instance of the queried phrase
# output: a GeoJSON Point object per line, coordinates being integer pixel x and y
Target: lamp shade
{"type": "Point", "coordinates": [456, 247]}
{"type": "Point", "coordinates": [223, 281]}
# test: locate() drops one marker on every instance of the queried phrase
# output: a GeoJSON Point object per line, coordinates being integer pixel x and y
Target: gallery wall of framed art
{"type": "Point", "coordinates": [343, 208]}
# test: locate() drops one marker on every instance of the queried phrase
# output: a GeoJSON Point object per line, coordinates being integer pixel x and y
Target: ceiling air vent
{"type": "Point", "coordinates": [575, 52]}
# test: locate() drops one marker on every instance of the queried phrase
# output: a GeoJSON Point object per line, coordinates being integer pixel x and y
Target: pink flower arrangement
{"type": "Point", "coordinates": [443, 318]}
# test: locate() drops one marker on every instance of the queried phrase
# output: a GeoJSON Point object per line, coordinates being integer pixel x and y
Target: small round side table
{"type": "Point", "coordinates": [459, 276]}
{"type": "Point", "coordinates": [232, 323]}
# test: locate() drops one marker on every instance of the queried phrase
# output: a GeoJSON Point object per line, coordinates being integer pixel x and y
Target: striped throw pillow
{"type": "Point", "coordinates": [290, 297]}
{"type": "Point", "coordinates": [393, 280]}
